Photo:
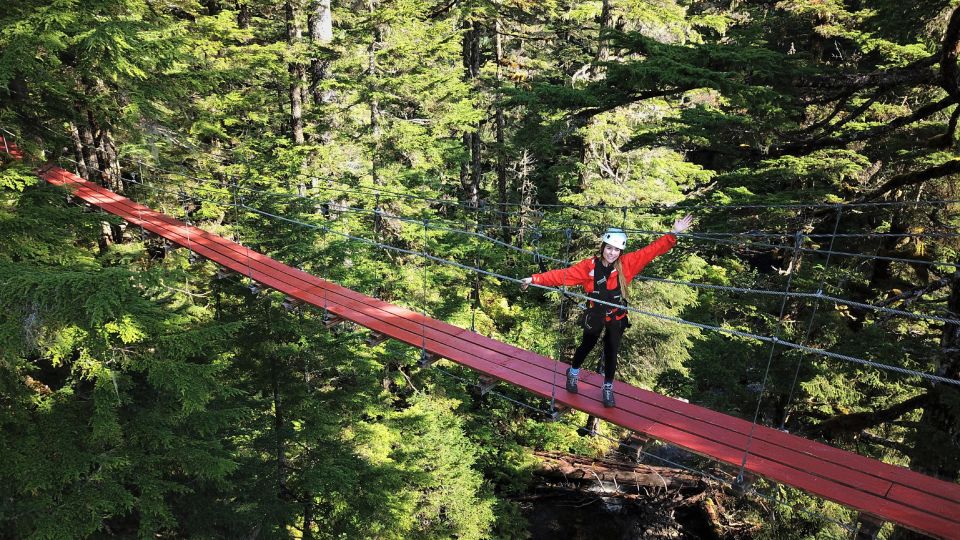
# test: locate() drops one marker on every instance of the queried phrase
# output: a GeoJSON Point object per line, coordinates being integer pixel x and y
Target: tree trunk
{"type": "Point", "coordinates": [213, 7]}
{"type": "Point", "coordinates": [111, 167]}
{"type": "Point", "coordinates": [321, 34]}
{"type": "Point", "coordinates": [501, 146]}
{"type": "Point", "coordinates": [603, 47]}
{"type": "Point", "coordinates": [89, 155]}
{"type": "Point", "coordinates": [470, 167]}
{"type": "Point", "coordinates": [375, 45]}
{"type": "Point", "coordinates": [104, 166]}
{"type": "Point", "coordinates": [243, 14]}
{"type": "Point", "coordinates": [613, 475]}
{"type": "Point", "coordinates": [939, 452]}
{"type": "Point", "coordinates": [308, 518]}
{"type": "Point", "coordinates": [297, 73]}
{"type": "Point", "coordinates": [283, 491]}
{"type": "Point", "coordinates": [78, 152]}
{"type": "Point", "coordinates": [881, 268]}
{"type": "Point", "coordinates": [528, 192]}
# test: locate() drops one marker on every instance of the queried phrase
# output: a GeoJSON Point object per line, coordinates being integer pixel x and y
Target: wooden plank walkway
{"type": "Point", "coordinates": [888, 492]}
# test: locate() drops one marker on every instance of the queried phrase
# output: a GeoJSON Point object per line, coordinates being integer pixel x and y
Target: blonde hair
{"type": "Point", "coordinates": [621, 277]}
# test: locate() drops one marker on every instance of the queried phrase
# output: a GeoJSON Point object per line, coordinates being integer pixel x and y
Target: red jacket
{"type": "Point", "coordinates": [582, 272]}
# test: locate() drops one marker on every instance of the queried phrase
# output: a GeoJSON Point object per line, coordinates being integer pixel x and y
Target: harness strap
{"type": "Point", "coordinates": [601, 275]}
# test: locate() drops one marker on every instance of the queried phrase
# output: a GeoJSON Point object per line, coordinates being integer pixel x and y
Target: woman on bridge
{"type": "Point", "coordinates": [605, 277]}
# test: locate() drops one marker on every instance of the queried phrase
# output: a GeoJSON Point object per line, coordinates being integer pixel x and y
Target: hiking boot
{"type": "Point", "coordinates": [572, 382]}
{"type": "Point", "coordinates": [608, 400]}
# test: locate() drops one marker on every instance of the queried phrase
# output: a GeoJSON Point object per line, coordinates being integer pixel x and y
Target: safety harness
{"type": "Point", "coordinates": [597, 315]}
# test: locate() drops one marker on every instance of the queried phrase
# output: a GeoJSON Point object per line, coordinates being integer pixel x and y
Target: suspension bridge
{"type": "Point", "coordinates": [883, 491]}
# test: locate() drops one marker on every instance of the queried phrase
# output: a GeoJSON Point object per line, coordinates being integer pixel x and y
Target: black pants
{"type": "Point", "coordinates": [612, 333]}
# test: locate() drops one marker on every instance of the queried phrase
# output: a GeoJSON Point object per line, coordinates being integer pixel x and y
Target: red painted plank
{"type": "Point", "coordinates": [907, 516]}
{"type": "Point", "coordinates": [927, 502]}
{"type": "Point", "coordinates": [717, 416]}
{"type": "Point", "coordinates": [822, 452]}
{"type": "Point", "coordinates": [10, 148]}
{"type": "Point", "coordinates": [541, 386]}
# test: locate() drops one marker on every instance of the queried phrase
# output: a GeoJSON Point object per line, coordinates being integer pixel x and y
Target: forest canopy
{"type": "Point", "coordinates": [144, 392]}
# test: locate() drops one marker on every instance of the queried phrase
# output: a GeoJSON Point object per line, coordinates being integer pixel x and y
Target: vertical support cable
{"type": "Point", "coordinates": [423, 303]}
{"type": "Point", "coordinates": [563, 297]}
{"type": "Point", "coordinates": [476, 294]}
{"type": "Point", "coordinates": [245, 245]}
{"type": "Point", "coordinates": [813, 315]}
{"type": "Point", "coordinates": [237, 204]}
{"type": "Point", "coordinates": [376, 235]}
{"type": "Point", "coordinates": [143, 234]}
{"type": "Point", "coordinates": [376, 218]}
{"type": "Point", "coordinates": [476, 277]}
{"type": "Point", "coordinates": [798, 239]}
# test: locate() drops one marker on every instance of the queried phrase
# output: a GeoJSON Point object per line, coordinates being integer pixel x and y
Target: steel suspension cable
{"type": "Point", "coordinates": [742, 290]}
{"type": "Point", "coordinates": [423, 291]}
{"type": "Point", "coordinates": [560, 340]}
{"type": "Point", "coordinates": [669, 318]}
{"type": "Point", "coordinates": [590, 227]}
{"type": "Point", "coordinates": [635, 310]}
{"type": "Point", "coordinates": [705, 237]}
{"type": "Point", "coordinates": [631, 309]}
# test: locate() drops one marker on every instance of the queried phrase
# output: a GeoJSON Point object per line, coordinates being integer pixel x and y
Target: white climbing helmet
{"type": "Point", "coordinates": [616, 238]}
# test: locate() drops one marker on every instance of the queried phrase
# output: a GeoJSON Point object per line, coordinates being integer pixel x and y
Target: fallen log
{"type": "Point", "coordinates": [614, 475]}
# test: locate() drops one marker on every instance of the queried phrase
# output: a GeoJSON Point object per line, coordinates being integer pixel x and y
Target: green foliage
{"type": "Point", "coordinates": [16, 178]}
{"type": "Point", "coordinates": [110, 430]}
{"type": "Point", "coordinates": [148, 395]}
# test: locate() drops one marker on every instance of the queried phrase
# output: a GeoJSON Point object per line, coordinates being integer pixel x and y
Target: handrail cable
{"type": "Point", "coordinates": [587, 226]}
{"type": "Point", "coordinates": [743, 290]}
{"type": "Point", "coordinates": [677, 320]}
{"type": "Point", "coordinates": [705, 236]}
{"type": "Point", "coordinates": [669, 318]}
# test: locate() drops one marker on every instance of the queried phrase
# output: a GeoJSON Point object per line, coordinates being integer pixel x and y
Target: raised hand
{"type": "Point", "coordinates": [682, 224]}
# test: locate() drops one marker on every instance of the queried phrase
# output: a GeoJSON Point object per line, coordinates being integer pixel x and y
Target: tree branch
{"type": "Point", "coordinates": [915, 73]}
{"type": "Point", "coordinates": [886, 443]}
{"type": "Point", "coordinates": [918, 292]}
{"type": "Point", "coordinates": [841, 101]}
{"type": "Point", "coordinates": [805, 147]}
{"type": "Point", "coordinates": [586, 114]}
{"type": "Point", "coordinates": [855, 113]}
{"type": "Point", "coordinates": [952, 126]}
{"type": "Point", "coordinates": [914, 177]}
{"type": "Point", "coordinates": [856, 422]}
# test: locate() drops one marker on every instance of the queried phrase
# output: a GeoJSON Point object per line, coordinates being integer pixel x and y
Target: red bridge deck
{"type": "Point", "coordinates": [888, 492]}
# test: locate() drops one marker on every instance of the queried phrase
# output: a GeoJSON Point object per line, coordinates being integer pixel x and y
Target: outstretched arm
{"type": "Point", "coordinates": [635, 261]}
{"type": "Point", "coordinates": [577, 274]}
